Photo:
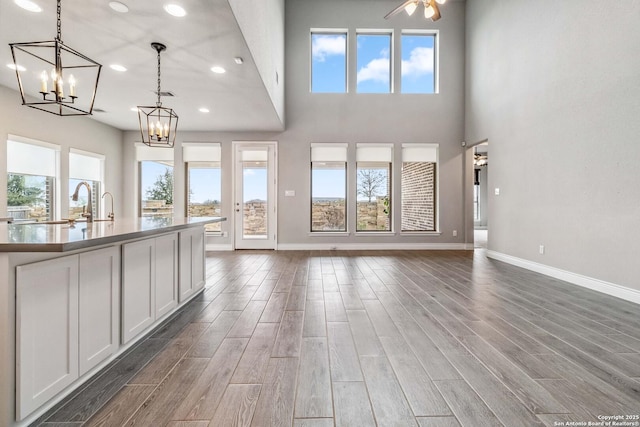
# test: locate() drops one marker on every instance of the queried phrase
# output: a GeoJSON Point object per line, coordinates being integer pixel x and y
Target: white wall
{"type": "Point", "coordinates": [555, 88]}
{"type": "Point", "coordinates": [69, 132]}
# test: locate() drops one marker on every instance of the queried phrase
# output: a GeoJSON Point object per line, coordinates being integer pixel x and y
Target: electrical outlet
{"type": "Point", "coordinates": [455, 233]}
{"type": "Point", "coordinates": [541, 249]}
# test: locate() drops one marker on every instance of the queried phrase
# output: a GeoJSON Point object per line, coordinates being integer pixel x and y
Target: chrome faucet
{"type": "Point", "coordinates": [74, 197]}
{"type": "Point", "coordinates": [111, 216]}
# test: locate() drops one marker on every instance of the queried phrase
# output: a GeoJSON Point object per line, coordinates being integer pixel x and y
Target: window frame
{"type": "Point", "coordinates": [378, 32]}
{"type": "Point", "coordinates": [436, 59]}
{"type": "Point", "coordinates": [390, 183]}
{"type": "Point", "coordinates": [436, 189]}
{"type": "Point", "coordinates": [55, 185]}
{"type": "Point", "coordinates": [96, 191]}
{"type": "Point", "coordinates": [346, 188]}
{"type": "Point", "coordinates": [329, 31]}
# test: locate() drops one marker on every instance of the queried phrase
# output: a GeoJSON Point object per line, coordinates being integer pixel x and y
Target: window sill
{"type": "Point", "coordinates": [420, 233]}
{"type": "Point", "coordinates": [213, 233]}
{"type": "Point", "coordinates": [375, 233]}
{"type": "Point", "coordinates": [329, 233]}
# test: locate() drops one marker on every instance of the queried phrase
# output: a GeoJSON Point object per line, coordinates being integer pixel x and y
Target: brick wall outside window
{"type": "Point", "coordinates": [418, 196]}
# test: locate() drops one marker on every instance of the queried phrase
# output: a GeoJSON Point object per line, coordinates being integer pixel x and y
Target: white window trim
{"type": "Point", "coordinates": [436, 56]}
{"type": "Point", "coordinates": [344, 31]}
{"type": "Point", "coordinates": [437, 231]}
{"type": "Point", "coordinates": [379, 32]}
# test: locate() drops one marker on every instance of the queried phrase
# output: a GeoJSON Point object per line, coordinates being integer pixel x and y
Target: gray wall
{"type": "Point", "coordinates": [555, 87]}
{"type": "Point", "coordinates": [69, 132]}
{"type": "Point", "coordinates": [352, 117]}
{"type": "Point", "coordinates": [390, 118]}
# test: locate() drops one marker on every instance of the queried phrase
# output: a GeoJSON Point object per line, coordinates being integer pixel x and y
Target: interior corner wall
{"type": "Point", "coordinates": [555, 90]}
{"type": "Point", "coordinates": [69, 132]}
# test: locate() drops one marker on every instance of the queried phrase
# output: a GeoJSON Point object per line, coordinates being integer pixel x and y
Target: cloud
{"type": "Point", "coordinates": [376, 70]}
{"type": "Point", "coordinates": [420, 62]}
{"type": "Point", "coordinates": [327, 45]}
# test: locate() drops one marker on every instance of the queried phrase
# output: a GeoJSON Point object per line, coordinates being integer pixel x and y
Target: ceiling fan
{"type": "Point", "coordinates": [431, 10]}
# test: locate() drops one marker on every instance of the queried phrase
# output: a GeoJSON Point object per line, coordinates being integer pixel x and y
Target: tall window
{"type": "Point", "coordinates": [418, 63]}
{"type": "Point", "coordinates": [374, 63]}
{"type": "Point", "coordinates": [373, 187]}
{"type": "Point", "coordinates": [87, 167]}
{"type": "Point", "coordinates": [155, 177]}
{"type": "Point", "coordinates": [204, 182]}
{"type": "Point", "coordinates": [329, 62]}
{"type": "Point", "coordinates": [328, 187]}
{"type": "Point", "coordinates": [32, 170]}
{"type": "Point", "coordinates": [419, 198]}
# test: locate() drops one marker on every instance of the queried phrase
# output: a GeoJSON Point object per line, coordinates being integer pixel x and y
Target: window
{"type": "Point", "coordinates": [418, 63]}
{"type": "Point", "coordinates": [87, 167]}
{"type": "Point", "coordinates": [373, 183]}
{"type": "Point", "coordinates": [155, 177]}
{"type": "Point", "coordinates": [374, 63]}
{"type": "Point", "coordinates": [328, 187]}
{"type": "Point", "coordinates": [204, 182]}
{"type": "Point", "coordinates": [32, 170]}
{"type": "Point", "coordinates": [419, 187]}
{"type": "Point", "coordinates": [329, 62]}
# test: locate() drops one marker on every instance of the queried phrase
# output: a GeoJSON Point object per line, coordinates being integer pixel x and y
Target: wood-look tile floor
{"type": "Point", "coordinates": [355, 338]}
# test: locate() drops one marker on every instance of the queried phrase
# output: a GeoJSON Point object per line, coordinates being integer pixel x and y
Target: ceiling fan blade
{"type": "Point", "coordinates": [398, 9]}
{"type": "Point", "coordinates": [436, 15]}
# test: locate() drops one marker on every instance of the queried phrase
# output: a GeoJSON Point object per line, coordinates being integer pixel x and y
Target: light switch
{"type": "Point", "coordinates": [497, 191]}
{"type": "Point", "coordinates": [289, 193]}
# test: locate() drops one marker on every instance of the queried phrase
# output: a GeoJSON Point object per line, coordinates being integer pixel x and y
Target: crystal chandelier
{"type": "Point", "coordinates": [158, 124]}
{"type": "Point", "coordinates": [55, 78]}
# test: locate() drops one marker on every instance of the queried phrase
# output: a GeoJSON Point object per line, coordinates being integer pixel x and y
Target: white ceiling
{"type": "Point", "coordinates": [209, 35]}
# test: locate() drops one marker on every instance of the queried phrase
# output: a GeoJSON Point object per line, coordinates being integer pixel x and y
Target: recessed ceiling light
{"type": "Point", "coordinates": [204, 110]}
{"type": "Point", "coordinates": [117, 67]}
{"type": "Point", "coordinates": [119, 7]}
{"type": "Point", "coordinates": [175, 10]}
{"type": "Point", "coordinates": [13, 67]}
{"type": "Point", "coordinates": [238, 60]}
{"type": "Point", "coordinates": [134, 109]}
{"type": "Point", "coordinates": [218, 70]}
{"type": "Point", "coordinates": [28, 5]}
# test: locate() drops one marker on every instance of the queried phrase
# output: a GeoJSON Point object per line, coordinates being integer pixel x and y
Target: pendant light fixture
{"type": "Point", "coordinates": [55, 78]}
{"type": "Point", "coordinates": [158, 125]}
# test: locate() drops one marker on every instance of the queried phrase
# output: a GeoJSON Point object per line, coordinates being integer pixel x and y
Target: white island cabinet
{"type": "Point", "coordinates": [149, 282]}
{"type": "Point", "coordinates": [76, 297]}
{"type": "Point", "coordinates": [67, 321]}
{"type": "Point", "coordinates": [191, 262]}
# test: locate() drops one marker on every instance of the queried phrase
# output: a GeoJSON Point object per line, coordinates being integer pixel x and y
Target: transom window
{"type": "Point", "coordinates": [329, 61]}
{"type": "Point", "coordinates": [374, 63]}
{"type": "Point", "coordinates": [418, 63]}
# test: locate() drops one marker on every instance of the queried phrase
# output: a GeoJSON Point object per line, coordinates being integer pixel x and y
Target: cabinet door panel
{"type": "Point", "coordinates": [99, 293]}
{"type": "Point", "coordinates": [46, 331]}
{"type": "Point", "coordinates": [166, 274]}
{"type": "Point", "coordinates": [138, 287]}
{"type": "Point", "coordinates": [191, 261]}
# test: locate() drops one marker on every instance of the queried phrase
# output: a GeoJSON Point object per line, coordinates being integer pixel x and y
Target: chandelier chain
{"type": "Point", "coordinates": [59, 23]}
{"type": "Point", "coordinates": [159, 103]}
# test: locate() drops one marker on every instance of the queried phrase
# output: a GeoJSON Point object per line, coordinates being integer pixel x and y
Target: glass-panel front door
{"type": "Point", "coordinates": [255, 190]}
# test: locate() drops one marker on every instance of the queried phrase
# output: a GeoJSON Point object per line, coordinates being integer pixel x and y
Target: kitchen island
{"type": "Point", "coordinates": [75, 296]}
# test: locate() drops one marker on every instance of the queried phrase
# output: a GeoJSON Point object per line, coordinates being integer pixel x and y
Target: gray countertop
{"type": "Point", "coordinates": [64, 237]}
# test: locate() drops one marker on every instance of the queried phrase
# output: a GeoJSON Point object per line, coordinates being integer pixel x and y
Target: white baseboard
{"type": "Point", "coordinates": [608, 288]}
{"type": "Point", "coordinates": [373, 246]}
{"type": "Point", "coordinates": [214, 247]}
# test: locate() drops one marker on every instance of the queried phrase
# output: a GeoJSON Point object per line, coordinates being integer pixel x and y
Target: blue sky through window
{"type": "Point", "coordinates": [204, 184]}
{"type": "Point", "coordinates": [254, 183]}
{"type": "Point", "coordinates": [328, 63]}
{"type": "Point", "coordinates": [417, 63]}
{"type": "Point", "coordinates": [374, 65]}
{"type": "Point", "coordinates": [328, 183]}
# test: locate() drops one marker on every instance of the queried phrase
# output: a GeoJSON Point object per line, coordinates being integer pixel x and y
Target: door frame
{"type": "Point", "coordinates": [272, 189]}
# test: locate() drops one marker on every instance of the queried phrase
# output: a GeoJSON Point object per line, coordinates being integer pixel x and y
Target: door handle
{"type": "Point", "coordinates": [237, 210]}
